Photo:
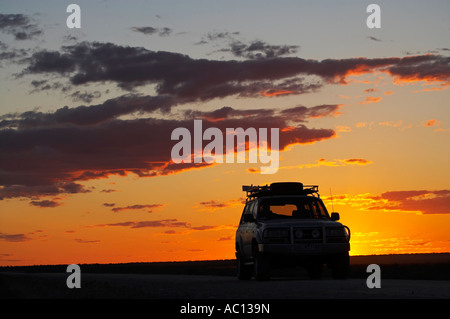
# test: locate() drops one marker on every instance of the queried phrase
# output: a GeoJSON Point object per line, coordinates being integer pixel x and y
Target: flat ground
{"type": "Point", "coordinates": [401, 277]}
{"type": "Point", "coordinates": [124, 286]}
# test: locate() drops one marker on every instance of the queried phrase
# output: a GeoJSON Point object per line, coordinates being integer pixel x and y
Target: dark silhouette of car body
{"type": "Point", "coordinates": [288, 224]}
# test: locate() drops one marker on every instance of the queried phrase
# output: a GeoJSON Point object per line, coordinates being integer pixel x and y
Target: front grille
{"type": "Point", "coordinates": [308, 235]}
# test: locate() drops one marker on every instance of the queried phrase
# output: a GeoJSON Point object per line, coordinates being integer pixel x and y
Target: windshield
{"type": "Point", "coordinates": [292, 207]}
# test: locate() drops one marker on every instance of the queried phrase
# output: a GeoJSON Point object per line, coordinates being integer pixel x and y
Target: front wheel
{"type": "Point", "coordinates": [315, 269]}
{"type": "Point", "coordinates": [339, 266]}
{"type": "Point", "coordinates": [262, 266]}
{"type": "Point", "coordinates": [244, 272]}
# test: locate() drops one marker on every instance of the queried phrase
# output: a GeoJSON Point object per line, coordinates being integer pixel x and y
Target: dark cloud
{"type": "Point", "coordinates": [86, 241]}
{"type": "Point", "coordinates": [301, 113]}
{"type": "Point", "coordinates": [214, 204]}
{"type": "Point", "coordinates": [295, 114]}
{"type": "Point", "coordinates": [44, 85]}
{"type": "Point", "coordinates": [145, 30]}
{"type": "Point", "coordinates": [50, 62]}
{"type": "Point", "coordinates": [49, 154]}
{"type": "Point", "coordinates": [217, 35]}
{"type": "Point", "coordinates": [162, 32]}
{"type": "Point", "coordinates": [21, 185]}
{"type": "Point", "coordinates": [45, 154]}
{"type": "Point", "coordinates": [85, 97]}
{"type": "Point", "coordinates": [153, 223]}
{"type": "Point", "coordinates": [227, 112]}
{"type": "Point", "coordinates": [303, 135]}
{"type": "Point", "coordinates": [13, 55]}
{"type": "Point", "coordinates": [149, 207]}
{"type": "Point", "coordinates": [88, 115]}
{"type": "Point", "coordinates": [374, 39]}
{"type": "Point", "coordinates": [173, 73]}
{"type": "Point", "coordinates": [256, 49]}
{"type": "Point", "coordinates": [167, 223]}
{"type": "Point", "coordinates": [260, 50]}
{"type": "Point", "coordinates": [15, 238]}
{"type": "Point", "coordinates": [108, 190]}
{"type": "Point", "coordinates": [424, 201]}
{"type": "Point", "coordinates": [19, 25]}
{"type": "Point", "coordinates": [45, 203]}
{"type": "Point", "coordinates": [426, 67]}
{"type": "Point", "coordinates": [189, 79]}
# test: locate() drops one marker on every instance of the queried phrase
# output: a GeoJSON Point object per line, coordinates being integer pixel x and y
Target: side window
{"type": "Point", "coordinates": [245, 211]}
{"type": "Point", "coordinates": [250, 209]}
{"type": "Point", "coordinates": [254, 209]}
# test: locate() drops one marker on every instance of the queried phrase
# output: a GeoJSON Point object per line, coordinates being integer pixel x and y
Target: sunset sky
{"type": "Point", "coordinates": [86, 117]}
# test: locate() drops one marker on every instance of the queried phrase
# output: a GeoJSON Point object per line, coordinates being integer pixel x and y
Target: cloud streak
{"type": "Point", "coordinates": [322, 162]}
{"type": "Point", "coordinates": [162, 32]}
{"type": "Point", "coordinates": [213, 205]}
{"type": "Point", "coordinates": [20, 26]}
{"type": "Point", "coordinates": [417, 201]}
{"type": "Point", "coordinates": [183, 77]}
{"type": "Point", "coordinates": [163, 223]}
{"type": "Point", "coordinates": [149, 207]}
{"type": "Point", "coordinates": [14, 238]}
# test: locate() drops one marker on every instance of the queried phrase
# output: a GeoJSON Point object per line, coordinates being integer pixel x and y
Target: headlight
{"type": "Point", "coordinates": [276, 233]}
{"type": "Point", "coordinates": [336, 232]}
{"type": "Point", "coordinates": [298, 233]}
{"type": "Point", "coordinates": [315, 233]}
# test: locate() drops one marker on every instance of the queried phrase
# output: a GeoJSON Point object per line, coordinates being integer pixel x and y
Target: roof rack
{"type": "Point", "coordinates": [282, 188]}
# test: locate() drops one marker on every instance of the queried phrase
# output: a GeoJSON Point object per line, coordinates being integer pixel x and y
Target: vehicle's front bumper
{"type": "Point", "coordinates": [304, 248]}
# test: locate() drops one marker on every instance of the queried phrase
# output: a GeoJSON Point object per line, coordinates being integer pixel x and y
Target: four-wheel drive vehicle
{"type": "Point", "coordinates": [288, 224]}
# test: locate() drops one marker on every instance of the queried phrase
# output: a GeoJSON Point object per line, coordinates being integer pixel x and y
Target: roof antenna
{"type": "Point", "coordinates": [332, 206]}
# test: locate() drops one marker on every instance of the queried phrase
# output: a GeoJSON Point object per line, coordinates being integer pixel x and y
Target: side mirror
{"type": "Point", "coordinates": [248, 218]}
{"type": "Point", "coordinates": [335, 216]}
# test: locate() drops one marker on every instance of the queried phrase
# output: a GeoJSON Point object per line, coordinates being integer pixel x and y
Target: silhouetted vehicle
{"type": "Point", "coordinates": [288, 224]}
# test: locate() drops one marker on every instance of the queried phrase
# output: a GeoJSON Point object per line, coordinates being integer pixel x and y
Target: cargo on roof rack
{"type": "Point", "coordinates": [280, 188]}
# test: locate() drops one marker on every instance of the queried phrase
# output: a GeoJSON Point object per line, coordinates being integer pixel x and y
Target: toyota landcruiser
{"type": "Point", "coordinates": [288, 224]}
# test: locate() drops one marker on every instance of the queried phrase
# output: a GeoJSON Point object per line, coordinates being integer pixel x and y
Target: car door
{"type": "Point", "coordinates": [242, 229]}
{"type": "Point", "coordinates": [249, 228]}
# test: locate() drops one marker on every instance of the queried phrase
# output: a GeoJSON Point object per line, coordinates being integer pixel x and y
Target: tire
{"type": "Point", "coordinates": [261, 267]}
{"type": "Point", "coordinates": [340, 265]}
{"type": "Point", "coordinates": [315, 270]}
{"type": "Point", "coordinates": [244, 272]}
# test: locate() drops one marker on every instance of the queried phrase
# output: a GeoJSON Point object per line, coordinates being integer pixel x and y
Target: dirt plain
{"type": "Point", "coordinates": [402, 277]}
